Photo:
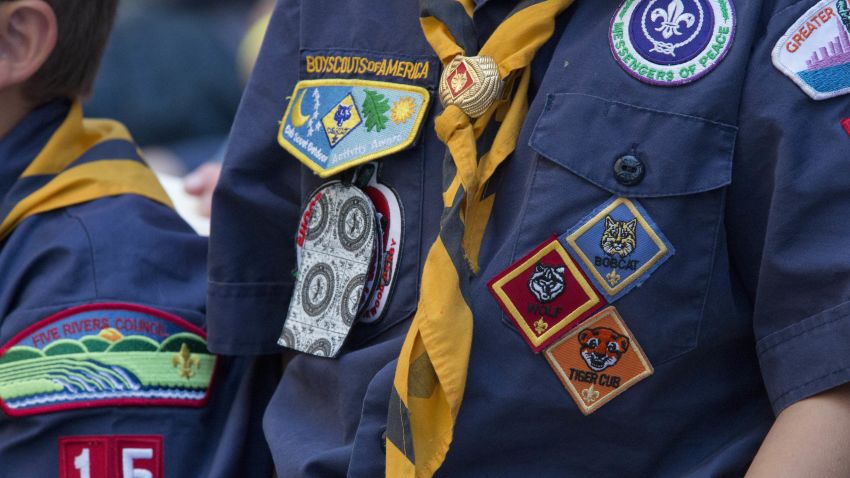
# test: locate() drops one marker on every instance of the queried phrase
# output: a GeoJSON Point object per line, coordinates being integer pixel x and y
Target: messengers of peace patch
{"type": "Point", "coordinates": [332, 125]}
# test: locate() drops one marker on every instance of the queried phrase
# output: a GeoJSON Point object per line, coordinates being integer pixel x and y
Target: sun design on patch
{"type": "Point", "coordinates": [403, 110]}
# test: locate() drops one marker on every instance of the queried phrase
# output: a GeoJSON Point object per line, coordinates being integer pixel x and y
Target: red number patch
{"type": "Point", "coordinates": [111, 457]}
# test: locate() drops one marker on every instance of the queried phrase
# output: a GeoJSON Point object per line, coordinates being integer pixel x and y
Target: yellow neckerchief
{"type": "Point", "coordinates": [431, 372]}
{"type": "Point", "coordinates": [84, 160]}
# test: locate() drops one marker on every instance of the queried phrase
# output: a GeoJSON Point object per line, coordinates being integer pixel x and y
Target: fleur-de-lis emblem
{"type": "Point", "coordinates": [613, 278]}
{"type": "Point", "coordinates": [590, 395]}
{"type": "Point", "coordinates": [671, 18]}
{"type": "Point", "coordinates": [540, 326]}
{"type": "Point", "coordinates": [185, 360]}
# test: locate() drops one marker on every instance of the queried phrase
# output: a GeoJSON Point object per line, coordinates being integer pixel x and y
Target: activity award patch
{"type": "Point", "coordinates": [545, 294]}
{"type": "Point", "coordinates": [815, 51]}
{"type": "Point", "coordinates": [672, 42]}
{"type": "Point", "coordinates": [337, 248]}
{"type": "Point", "coordinates": [598, 361]}
{"type": "Point", "coordinates": [332, 125]}
{"type": "Point", "coordinates": [619, 246]}
{"type": "Point", "coordinates": [105, 355]}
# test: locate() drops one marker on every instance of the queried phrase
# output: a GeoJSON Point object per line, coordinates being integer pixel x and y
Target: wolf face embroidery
{"type": "Point", "coordinates": [619, 237]}
{"type": "Point", "coordinates": [602, 347]}
{"type": "Point", "coordinates": [547, 283]}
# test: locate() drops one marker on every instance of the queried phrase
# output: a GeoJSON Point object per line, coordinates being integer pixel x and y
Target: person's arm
{"type": "Point", "coordinates": [809, 438]}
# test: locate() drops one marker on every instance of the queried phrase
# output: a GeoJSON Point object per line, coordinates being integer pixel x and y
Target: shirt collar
{"type": "Point", "coordinates": [21, 145]}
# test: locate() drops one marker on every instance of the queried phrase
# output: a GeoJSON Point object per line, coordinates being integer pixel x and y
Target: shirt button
{"type": "Point", "coordinates": [384, 441]}
{"type": "Point", "coordinates": [629, 170]}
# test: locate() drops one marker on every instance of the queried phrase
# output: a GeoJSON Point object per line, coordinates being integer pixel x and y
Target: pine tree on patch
{"type": "Point", "coordinates": [375, 107]}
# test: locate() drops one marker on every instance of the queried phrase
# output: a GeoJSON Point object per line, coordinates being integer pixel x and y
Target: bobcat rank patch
{"type": "Point", "coordinates": [598, 361]}
{"type": "Point", "coordinates": [815, 51]}
{"type": "Point", "coordinates": [618, 246]}
{"type": "Point", "coordinates": [332, 125]}
{"type": "Point", "coordinates": [672, 42]}
{"type": "Point", "coordinates": [337, 246]}
{"type": "Point", "coordinates": [546, 294]}
{"type": "Point", "coordinates": [103, 355]}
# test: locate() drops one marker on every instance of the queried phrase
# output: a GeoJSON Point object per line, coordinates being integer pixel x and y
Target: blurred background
{"type": "Point", "coordinates": [173, 73]}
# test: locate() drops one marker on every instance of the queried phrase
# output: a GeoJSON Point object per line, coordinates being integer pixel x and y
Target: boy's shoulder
{"type": "Point", "coordinates": [123, 248]}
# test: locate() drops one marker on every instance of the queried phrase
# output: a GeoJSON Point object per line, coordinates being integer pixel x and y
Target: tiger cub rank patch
{"type": "Point", "coordinates": [672, 42]}
{"type": "Point", "coordinates": [815, 51]}
{"type": "Point", "coordinates": [618, 246]}
{"type": "Point", "coordinates": [598, 361]}
{"type": "Point", "coordinates": [337, 246]}
{"type": "Point", "coordinates": [545, 294]}
{"type": "Point", "coordinates": [102, 355]}
{"type": "Point", "coordinates": [332, 125]}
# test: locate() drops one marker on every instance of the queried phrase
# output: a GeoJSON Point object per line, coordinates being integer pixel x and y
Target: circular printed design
{"type": "Point", "coordinates": [318, 219]}
{"type": "Point", "coordinates": [287, 338]}
{"type": "Point", "coordinates": [672, 42]}
{"type": "Point", "coordinates": [318, 289]}
{"type": "Point", "coordinates": [321, 347]}
{"type": "Point", "coordinates": [354, 223]}
{"type": "Point", "coordinates": [351, 299]}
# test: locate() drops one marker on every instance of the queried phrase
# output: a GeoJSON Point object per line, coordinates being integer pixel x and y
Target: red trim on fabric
{"type": "Point", "coordinates": [845, 123]}
{"type": "Point", "coordinates": [116, 402]}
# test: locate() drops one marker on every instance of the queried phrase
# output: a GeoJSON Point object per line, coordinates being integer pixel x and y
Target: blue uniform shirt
{"type": "Point", "coordinates": [121, 263]}
{"type": "Point", "coordinates": [742, 174]}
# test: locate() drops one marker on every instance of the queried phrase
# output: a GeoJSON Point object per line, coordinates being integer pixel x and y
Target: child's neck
{"type": "Point", "coordinates": [15, 108]}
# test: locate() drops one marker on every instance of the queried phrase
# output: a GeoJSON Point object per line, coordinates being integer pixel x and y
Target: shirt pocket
{"type": "Point", "coordinates": [687, 164]}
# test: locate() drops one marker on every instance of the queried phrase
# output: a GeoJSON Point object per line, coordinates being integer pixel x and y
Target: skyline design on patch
{"type": "Point", "coordinates": [545, 294]}
{"type": "Point", "coordinates": [332, 125]}
{"type": "Point", "coordinates": [599, 360]}
{"type": "Point", "coordinates": [815, 51]}
{"type": "Point", "coordinates": [108, 354]}
{"type": "Point", "coordinates": [672, 42]}
{"type": "Point", "coordinates": [618, 246]}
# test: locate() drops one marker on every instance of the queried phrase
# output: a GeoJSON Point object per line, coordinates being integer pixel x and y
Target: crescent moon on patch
{"type": "Point", "coordinates": [298, 119]}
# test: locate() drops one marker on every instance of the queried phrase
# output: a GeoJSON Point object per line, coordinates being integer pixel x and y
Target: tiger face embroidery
{"type": "Point", "coordinates": [547, 282]}
{"type": "Point", "coordinates": [602, 347]}
{"type": "Point", "coordinates": [619, 237]}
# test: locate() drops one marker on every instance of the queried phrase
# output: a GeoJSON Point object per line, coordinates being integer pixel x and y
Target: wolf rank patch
{"type": "Point", "coordinates": [105, 355]}
{"type": "Point", "coordinates": [618, 246]}
{"type": "Point", "coordinates": [598, 361]}
{"type": "Point", "coordinates": [546, 294]}
{"type": "Point", "coordinates": [337, 245]}
{"type": "Point", "coordinates": [111, 456]}
{"type": "Point", "coordinates": [334, 125]}
{"type": "Point", "coordinates": [815, 52]}
{"type": "Point", "coordinates": [672, 42]}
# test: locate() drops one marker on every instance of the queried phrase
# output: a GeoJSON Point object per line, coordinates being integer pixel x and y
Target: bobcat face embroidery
{"type": "Point", "coordinates": [602, 347]}
{"type": "Point", "coordinates": [343, 114]}
{"type": "Point", "coordinates": [547, 282]}
{"type": "Point", "coordinates": [619, 237]}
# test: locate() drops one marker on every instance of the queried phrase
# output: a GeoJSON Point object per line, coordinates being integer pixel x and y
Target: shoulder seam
{"type": "Point", "coordinates": [91, 250]}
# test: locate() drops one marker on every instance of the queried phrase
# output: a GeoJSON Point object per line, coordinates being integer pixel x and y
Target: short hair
{"type": "Point", "coordinates": [70, 70]}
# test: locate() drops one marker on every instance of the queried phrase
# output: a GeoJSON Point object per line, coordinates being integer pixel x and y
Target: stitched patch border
{"type": "Point", "coordinates": [108, 456]}
{"type": "Point", "coordinates": [563, 320]}
{"type": "Point", "coordinates": [562, 354]}
{"type": "Point", "coordinates": [105, 354]}
{"type": "Point", "coordinates": [643, 271]}
{"type": "Point", "coordinates": [391, 116]}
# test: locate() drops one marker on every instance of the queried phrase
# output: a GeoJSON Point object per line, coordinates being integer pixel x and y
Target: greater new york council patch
{"type": "Point", "coordinates": [102, 355]}
{"type": "Point", "coordinates": [672, 42]}
{"type": "Point", "coordinates": [332, 125]}
{"type": "Point", "coordinates": [598, 361]}
{"type": "Point", "coordinates": [545, 294]}
{"type": "Point", "coordinates": [815, 51]}
{"type": "Point", "coordinates": [619, 246]}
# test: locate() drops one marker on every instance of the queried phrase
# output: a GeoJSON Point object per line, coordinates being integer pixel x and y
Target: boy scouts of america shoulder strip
{"type": "Point", "coordinates": [815, 51]}
{"type": "Point", "coordinates": [106, 354]}
{"type": "Point", "coordinates": [672, 42]}
{"type": "Point", "coordinates": [332, 125]}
